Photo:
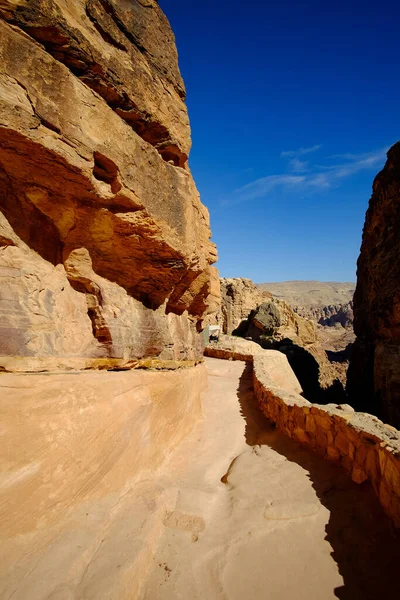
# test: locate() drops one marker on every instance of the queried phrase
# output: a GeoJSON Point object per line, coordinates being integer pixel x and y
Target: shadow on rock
{"type": "Point", "coordinates": [307, 371]}
{"type": "Point", "coordinates": [365, 546]}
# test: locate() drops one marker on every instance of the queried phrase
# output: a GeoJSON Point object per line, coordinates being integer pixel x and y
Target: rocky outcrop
{"type": "Point", "coordinates": [104, 244]}
{"type": "Point", "coordinates": [275, 321]}
{"type": "Point", "coordinates": [252, 313]}
{"type": "Point", "coordinates": [329, 304]}
{"type": "Point", "coordinates": [239, 299]}
{"type": "Point", "coordinates": [239, 296]}
{"type": "Point", "coordinates": [374, 374]}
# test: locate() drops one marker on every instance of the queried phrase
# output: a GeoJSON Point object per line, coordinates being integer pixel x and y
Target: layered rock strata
{"type": "Point", "coordinates": [104, 244]}
{"type": "Point", "coordinates": [374, 374]}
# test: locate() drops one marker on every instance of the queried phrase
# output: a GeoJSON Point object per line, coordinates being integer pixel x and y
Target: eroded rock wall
{"type": "Point", "coordinates": [239, 296]}
{"type": "Point", "coordinates": [104, 244]}
{"type": "Point", "coordinates": [374, 374]}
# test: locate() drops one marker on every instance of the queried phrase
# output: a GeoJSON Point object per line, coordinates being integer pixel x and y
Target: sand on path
{"type": "Point", "coordinates": [236, 511]}
{"type": "Point", "coordinates": [252, 515]}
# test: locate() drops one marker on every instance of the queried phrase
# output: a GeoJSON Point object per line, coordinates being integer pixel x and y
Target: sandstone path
{"type": "Point", "coordinates": [251, 515]}
{"type": "Point", "coordinates": [236, 512]}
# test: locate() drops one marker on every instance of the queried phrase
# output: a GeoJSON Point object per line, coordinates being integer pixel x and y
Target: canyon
{"type": "Point", "coordinates": [311, 294]}
{"type": "Point", "coordinates": [139, 460]}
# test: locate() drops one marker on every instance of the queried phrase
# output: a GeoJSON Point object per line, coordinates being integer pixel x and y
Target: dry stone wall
{"type": "Point", "coordinates": [359, 442]}
{"type": "Point", "coordinates": [367, 448]}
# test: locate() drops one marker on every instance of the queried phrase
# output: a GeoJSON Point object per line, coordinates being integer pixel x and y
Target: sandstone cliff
{"type": "Point", "coordinates": [374, 374]}
{"type": "Point", "coordinates": [104, 244]}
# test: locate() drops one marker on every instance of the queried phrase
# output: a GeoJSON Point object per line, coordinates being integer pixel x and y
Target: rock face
{"type": "Point", "coordinates": [239, 297]}
{"type": "Point", "coordinates": [252, 313]}
{"type": "Point", "coordinates": [104, 244]}
{"type": "Point", "coordinates": [374, 374]}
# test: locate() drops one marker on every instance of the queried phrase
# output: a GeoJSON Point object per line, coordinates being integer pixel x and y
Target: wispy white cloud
{"type": "Point", "coordinates": [298, 166]}
{"type": "Point", "coordinates": [261, 187]}
{"type": "Point", "coordinates": [300, 151]}
{"type": "Point", "coordinates": [303, 178]}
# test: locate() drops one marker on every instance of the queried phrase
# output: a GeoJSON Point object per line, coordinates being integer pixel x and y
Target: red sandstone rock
{"type": "Point", "coordinates": [104, 243]}
{"type": "Point", "coordinates": [374, 375]}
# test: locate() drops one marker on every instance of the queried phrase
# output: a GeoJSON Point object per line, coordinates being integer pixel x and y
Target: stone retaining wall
{"type": "Point", "coordinates": [367, 448]}
{"type": "Point", "coordinates": [230, 347]}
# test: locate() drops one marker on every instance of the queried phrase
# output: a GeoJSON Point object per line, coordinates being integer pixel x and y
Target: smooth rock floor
{"type": "Point", "coordinates": [237, 511]}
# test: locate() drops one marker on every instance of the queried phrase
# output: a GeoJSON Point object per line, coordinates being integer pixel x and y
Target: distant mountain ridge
{"type": "Point", "coordinates": [311, 293]}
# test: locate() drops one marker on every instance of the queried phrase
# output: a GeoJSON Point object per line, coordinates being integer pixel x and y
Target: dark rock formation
{"type": "Point", "coordinates": [374, 374]}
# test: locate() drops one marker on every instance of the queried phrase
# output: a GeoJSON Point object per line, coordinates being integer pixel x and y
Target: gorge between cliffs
{"type": "Point", "coordinates": [166, 432]}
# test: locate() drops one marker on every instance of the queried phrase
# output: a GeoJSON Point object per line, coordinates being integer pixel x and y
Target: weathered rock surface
{"type": "Point", "coordinates": [104, 243]}
{"type": "Point", "coordinates": [77, 451]}
{"type": "Point", "coordinates": [374, 374]}
{"type": "Point", "coordinates": [239, 297]}
{"type": "Point", "coordinates": [232, 347]}
{"type": "Point", "coordinates": [329, 304]}
{"type": "Point", "coordinates": [255, 314]}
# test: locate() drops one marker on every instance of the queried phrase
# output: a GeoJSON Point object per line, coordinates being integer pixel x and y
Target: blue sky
{"type": "Point", "coordinates": [292, 105]}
